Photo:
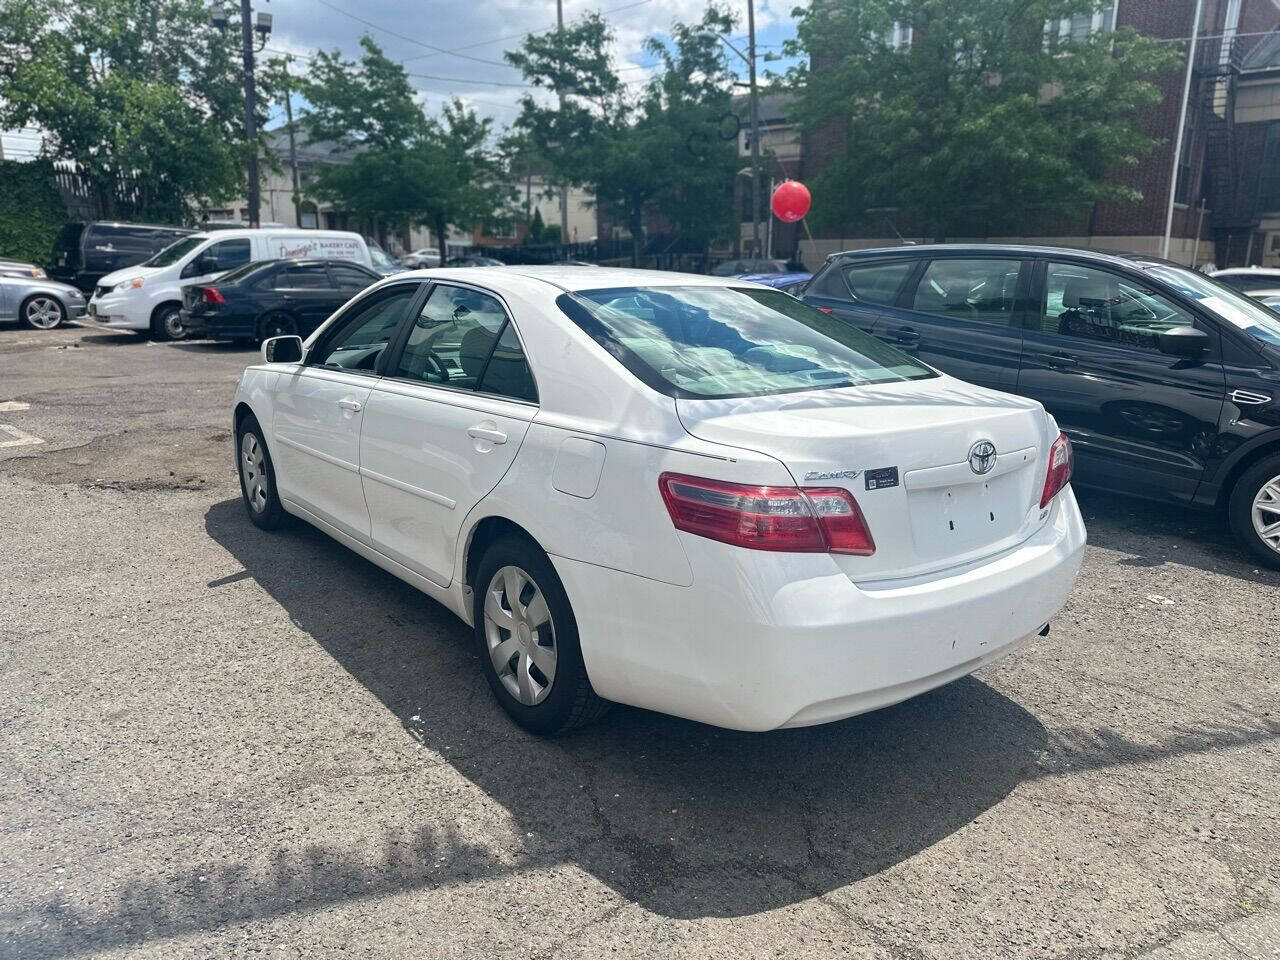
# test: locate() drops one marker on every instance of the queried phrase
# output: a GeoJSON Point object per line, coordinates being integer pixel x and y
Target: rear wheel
{"type": "Point", "coordinates": [278, 325]}
{"type": "Point", "coordinates": [1254, 510]}
{"type": "Point", "coordinates": [257, 477]}
{"type": "Point", "coordinates": [528, 640]}
{"type": "Point", "coordinates": [42, 312]}
{"type": "Point", "coordinates": [166, 323]}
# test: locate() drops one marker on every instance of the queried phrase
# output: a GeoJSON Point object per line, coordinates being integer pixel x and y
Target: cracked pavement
{"type": "Point", "coordinates": [217, 742]}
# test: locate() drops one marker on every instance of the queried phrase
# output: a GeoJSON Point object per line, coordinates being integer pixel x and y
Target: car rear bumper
{"type": "Point", "coordinates": [764, 640]}
{"type": "Point", "coordinates": [214, 327]}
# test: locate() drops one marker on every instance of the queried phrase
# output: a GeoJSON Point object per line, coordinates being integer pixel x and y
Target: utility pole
{"type": "Point", "coordinates": [755, 128]}
{"type": "Point", "coordinates": [564, 191]}
{"type": "Point", "coordinates": [1182, 123]}
{"type": "Point", "coordinates": [250, 113]}
{"type": "Point", "coordinates": [293, 146]}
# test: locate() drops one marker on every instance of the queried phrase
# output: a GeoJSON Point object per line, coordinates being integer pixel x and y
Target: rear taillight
{"type": "Point", "coordinates": [790, 519]}
{"type": "Point", "coordinates": [1059, 474]}
{"type": "Point", "coordinates": [212, 295]}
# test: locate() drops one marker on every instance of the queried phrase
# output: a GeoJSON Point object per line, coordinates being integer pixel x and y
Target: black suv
{"type": "Point", "coordinates": [84, 253]}
{"type": "Point", "coordinates": [1166, 380]}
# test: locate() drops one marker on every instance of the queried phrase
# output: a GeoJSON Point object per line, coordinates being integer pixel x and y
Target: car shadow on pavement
{"type": "Point", "coordinates": [216, 346]}
{"type": "Point", "coordinates": [685, 819]}
{"type": "Point", "coordinates": [1155, 533]}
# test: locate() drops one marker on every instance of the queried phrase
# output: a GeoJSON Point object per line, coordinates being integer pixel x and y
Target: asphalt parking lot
{"type": "Point", "coordinates": [218, 742]}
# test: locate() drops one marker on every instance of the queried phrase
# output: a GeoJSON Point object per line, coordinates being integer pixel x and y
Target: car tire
{"type": "Point", "coordinates": [42, 312]}
{"type": "Point", "coordinates": [1254, 507]}
{"type": "Point", "coordinates": [258, 477]}
{"type": "Point", "coordinates": [277, 325]}
{"type": "Point", "coordinates": [166, 323]}
{"type": "Point", "coordinates": [513, 573]}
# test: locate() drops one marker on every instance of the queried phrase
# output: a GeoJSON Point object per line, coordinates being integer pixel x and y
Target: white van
{"type": "Point", "coordinates": [149, 296]}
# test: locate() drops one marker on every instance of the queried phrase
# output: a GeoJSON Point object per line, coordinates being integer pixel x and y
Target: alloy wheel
{"type": "Point", "coordinates": [520, 635]}
{"type": "Point", "coordinates": [1266, 513]}
{"type": "Point", "coordinates": [43, 313]}
{"type": "Point", "coordinates": [253, 468]}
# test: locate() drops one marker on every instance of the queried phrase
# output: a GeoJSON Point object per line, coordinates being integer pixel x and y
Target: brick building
{"type": "Point", "coordinates": [1227, 199]}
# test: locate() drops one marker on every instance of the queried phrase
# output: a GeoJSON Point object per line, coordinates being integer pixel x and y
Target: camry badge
{"type": "Point", "coordinates": [836, 475]}
{"type": "Point", "coordinates": [982, 457]}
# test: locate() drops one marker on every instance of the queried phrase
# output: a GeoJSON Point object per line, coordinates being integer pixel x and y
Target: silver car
{"type": "Point", "coordinates": [37, 302]}
{"type": "Point", "coordinates": [20, 268]}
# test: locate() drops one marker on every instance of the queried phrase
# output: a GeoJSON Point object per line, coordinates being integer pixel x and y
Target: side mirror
{"type": "Point", "coordinates": [282, 350]}
{"type": "Point", "coordinates": [1184, 342]}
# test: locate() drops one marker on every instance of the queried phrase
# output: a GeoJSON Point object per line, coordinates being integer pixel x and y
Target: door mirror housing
{"type": "Point", "coordinates": [1184, 342]}
{"type": "Point", "coordinates": [282, 350]}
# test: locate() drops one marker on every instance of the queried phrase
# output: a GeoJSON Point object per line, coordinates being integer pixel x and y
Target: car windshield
{"type": "Point", "coordinates": [1235, 308]}
{"type": "Point", "coordinates": [175, 251]}
{"type": "Point", "coordinates": [713, 342]}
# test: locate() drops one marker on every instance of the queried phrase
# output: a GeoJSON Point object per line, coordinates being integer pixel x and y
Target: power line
{"type": "Point", "coordinates": [408, 39]}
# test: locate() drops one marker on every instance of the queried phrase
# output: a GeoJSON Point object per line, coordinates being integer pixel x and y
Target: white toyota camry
{"type": "Point", "coordinates": [686, 493]}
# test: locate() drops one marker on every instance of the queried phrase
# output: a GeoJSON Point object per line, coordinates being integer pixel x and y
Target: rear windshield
{"type": "Point", "coordinates": [245, 272]}
{"type": "Point", "coordinates": [714, 342]}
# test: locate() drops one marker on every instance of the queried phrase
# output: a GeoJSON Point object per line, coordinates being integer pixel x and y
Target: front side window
{"type": "Point", "coordinates": [709, 342]}
{"type": "Point", "coordinates": [1243, 313]}
{"type": "Point", "coordinates": [358, 339]}
{"type": "Point", "coordinates": [349, 277]}
{"type": "Point", "coordinates": [226, 255]}
{"type": "Point", "coordinates": [978, 289]}
{"type": "Point", "coordinates": [1105, 307]}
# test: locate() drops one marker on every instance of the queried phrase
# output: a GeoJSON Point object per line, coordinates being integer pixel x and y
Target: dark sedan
{"type": "Point", "coordinates": [1166, 381]}
{"type": "Point", "coordinates": [271, 298]}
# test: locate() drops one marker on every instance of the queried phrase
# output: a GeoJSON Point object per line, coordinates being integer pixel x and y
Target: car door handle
{"type": "Point", "coordinates": [1060, 360]}
{"type": "Point", "coordinates": [907, 335]}
{"type": "Point", "coordinates": [480, 432]}
{"type": "Point", "coordinates": [346, 403]}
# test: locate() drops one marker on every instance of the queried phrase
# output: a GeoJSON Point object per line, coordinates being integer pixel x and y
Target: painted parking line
{"type": "Point", "coordinates": [17, 438]}
{"type": "Point", "coordinates": [14, 406]}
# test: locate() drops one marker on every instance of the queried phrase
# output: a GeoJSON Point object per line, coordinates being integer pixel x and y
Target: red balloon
{"type": "Point", "coordinates": [790, 201]}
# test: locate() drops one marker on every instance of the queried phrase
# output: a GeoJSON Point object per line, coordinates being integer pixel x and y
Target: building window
{"type": "Point", "coordinates": [899, 37]}
{"type": "Point", "coordinates": [1081, 26]}
{"type": "Point", "coordinates": [1269, 174]}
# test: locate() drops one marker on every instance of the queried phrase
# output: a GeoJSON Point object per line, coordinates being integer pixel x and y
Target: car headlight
{"type": "Point", "coordinates": [129, 284]}
{"type": "Point", "coordinates": [75, 294]}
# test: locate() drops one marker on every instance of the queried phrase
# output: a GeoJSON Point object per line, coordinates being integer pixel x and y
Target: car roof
{"type": "Point", "coordinates": [572, 279]}
{"type": "Point", "coordinates": [919, 250]}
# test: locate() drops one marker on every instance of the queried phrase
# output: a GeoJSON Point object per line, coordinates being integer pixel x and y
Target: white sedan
{"type": "Point", "coordinates": [690, 494]}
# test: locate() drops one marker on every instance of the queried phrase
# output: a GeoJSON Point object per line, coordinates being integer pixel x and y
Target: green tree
{"type": "Point", "coordinates": [536, 228]}
{"type": "Point", "coordinates": [984, 119]}
{"type": "Point", "coordinates": [405, 167]}
{"type": "Point", "coordinates": [651, 151]}
{"type": "Point", "coordinates": [144, 97]}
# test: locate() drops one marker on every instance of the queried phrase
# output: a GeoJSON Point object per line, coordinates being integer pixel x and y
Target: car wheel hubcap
{"type": "Point", "coordinates": [253, 468]}
{"type": "Point", "coordinates": [43, 312]}
{"type": "Point", "coordinates": [520, 635]}
{"type": "Point", "coordinates": [1266, 513]}
{"type": "Point", "coordinates": [173, 325]}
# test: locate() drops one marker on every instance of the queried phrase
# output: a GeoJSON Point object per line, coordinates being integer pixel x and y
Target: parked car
{"type": "Point", "coordinates": [1166, 380]}
{"type": "Point", "coordinates": [1257, 282]}
{"type": "Point", "coordinates": [38, 302]}
{"type": "Point", "coordinates": [148, 297]}
{"type": "Point", "coordinates": [271, 298]}
{"type": "Point", "coordinates": [743, 266]}
{"type": "Point", "coordinates": [792, 282]}
{"type": "Point", "coordinates": [672, 491]}
{"type": "Point", "coordinates": [473, 260]}
{"type": "Point", "coordinates": [383, 263]}
{"type": "Point", "coordinates": [20, 268]}
{"type": "Point", "coordinates": [426, 257]}
{"type": "Point", "coordinates": [84, 253]}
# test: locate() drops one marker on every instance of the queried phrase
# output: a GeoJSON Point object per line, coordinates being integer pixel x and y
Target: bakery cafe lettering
{"type": "Point", "coordinates": [332, 248]}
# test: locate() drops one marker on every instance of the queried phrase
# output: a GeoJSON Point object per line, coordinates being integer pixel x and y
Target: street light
{"type": "Point", "coordinates": [750, 58]}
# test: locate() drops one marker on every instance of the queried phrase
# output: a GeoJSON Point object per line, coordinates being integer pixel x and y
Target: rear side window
{"type": "Point", "coordinates": [978, 289]}
{"type": "Point", "coordinates": [713, 342]}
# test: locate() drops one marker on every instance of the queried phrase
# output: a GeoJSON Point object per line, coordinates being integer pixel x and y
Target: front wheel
{"type": "Point", "coordinates": [1254, 510]}
{"type": "Point", "coordinates": [166, 323]}
{"type": "Point", "coordinates": [528, 640]}
{"type": "Point", "coordinates": [258, 477]}
{"type": "Point", "coordinates": [42, 312]}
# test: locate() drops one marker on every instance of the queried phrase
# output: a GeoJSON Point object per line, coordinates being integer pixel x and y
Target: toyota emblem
{"type": "Point", "coordinates": [982, 457]}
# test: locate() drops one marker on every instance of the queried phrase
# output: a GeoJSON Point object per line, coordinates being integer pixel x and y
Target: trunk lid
{"type": "Point", "coordinates": [903, 451]}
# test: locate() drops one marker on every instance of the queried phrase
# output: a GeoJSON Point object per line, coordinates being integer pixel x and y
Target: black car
{"type": "Point", "coordinates": [83, 253]}
{"type": "Point", "coordinates": [1166, 380]}
{"type": "Point", "coordinates": [271, 298]}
